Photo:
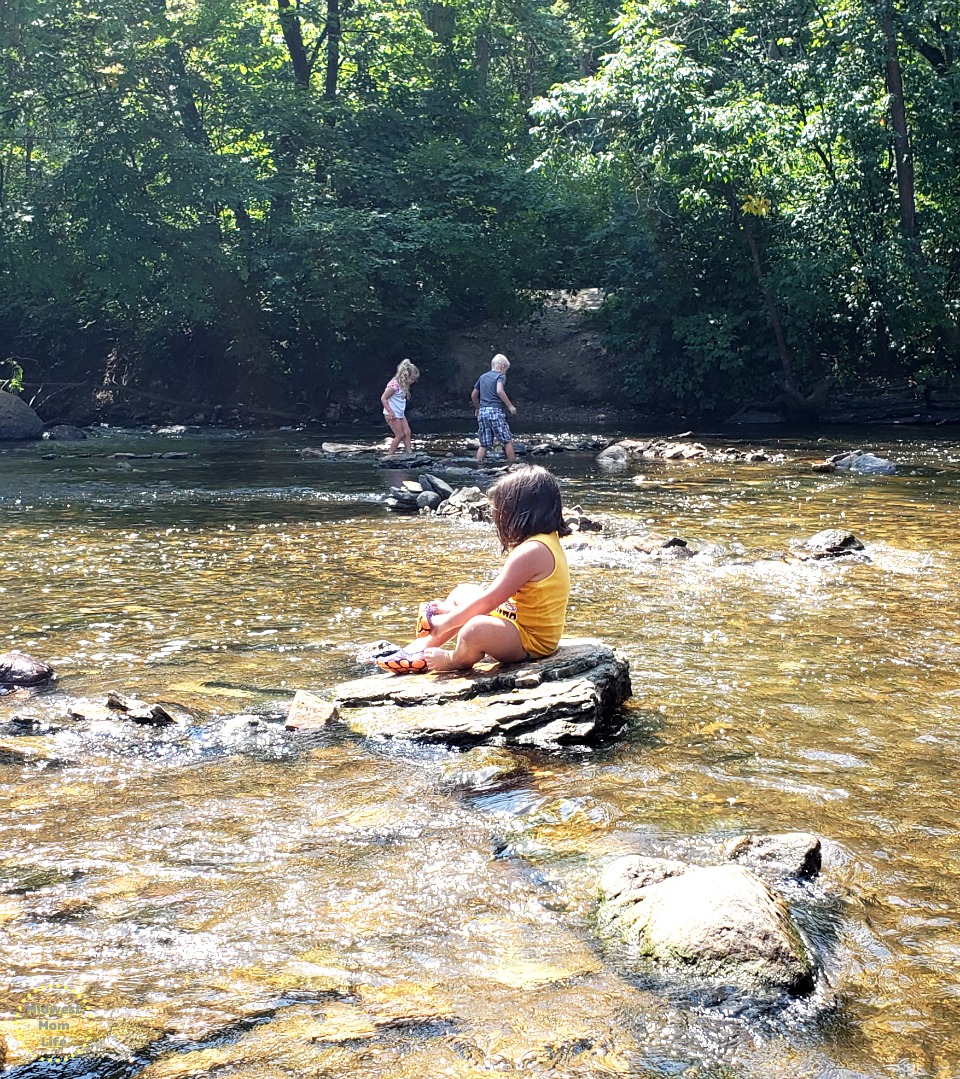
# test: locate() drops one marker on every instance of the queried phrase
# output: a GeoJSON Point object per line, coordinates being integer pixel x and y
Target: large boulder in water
{"type": "Point", "coordinates": [570, 698]}
{"type": "Point", "coordinates": [17, 418]}
{"type": "Point", "coordinates": [718, 924]}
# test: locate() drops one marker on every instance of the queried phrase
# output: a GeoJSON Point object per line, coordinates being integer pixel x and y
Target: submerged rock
{"type": "Point", "coordinates": [830, 543]}
{"type": "Point", "coordinates": [482, 768]}
{"type": "Point", "coordinates": [65, 432]}
{"type": "Point", "coordinates": [19, 669]}
{"type": "Point", "coordinates": [139, 711]}
{"type": "Point", "coordinates": [720, 924]}
{"type": "Point", "coordinates": [864, 464]}
{"type": "Point", "coordinates": [789, 854]}
{"type": "Point", "coordinates": [569, 698]}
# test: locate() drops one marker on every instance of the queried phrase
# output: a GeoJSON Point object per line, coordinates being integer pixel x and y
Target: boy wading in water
{"type": "Point", "coordinates": [521, 614]}
{"type": "Point", "coordinates": [489, 398]}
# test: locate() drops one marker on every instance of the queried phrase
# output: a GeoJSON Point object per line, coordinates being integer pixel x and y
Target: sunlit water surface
{"type": "Point", "coordinates": [236, 900]}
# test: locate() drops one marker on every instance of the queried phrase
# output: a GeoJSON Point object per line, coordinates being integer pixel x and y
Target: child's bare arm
{"type": "Point", "coordinates": [530, 561]}
{"type": "Point", "coordinates": [502, 394]}
{"type": "Point", "coordinates": [475, 398]}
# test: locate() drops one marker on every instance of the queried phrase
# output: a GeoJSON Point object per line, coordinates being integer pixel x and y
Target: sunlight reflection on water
{"type": "Point", "coordinates": [202, 874]}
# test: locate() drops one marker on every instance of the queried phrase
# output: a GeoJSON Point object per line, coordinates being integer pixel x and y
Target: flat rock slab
{"type": "Point", "coordinates": [569, 698]}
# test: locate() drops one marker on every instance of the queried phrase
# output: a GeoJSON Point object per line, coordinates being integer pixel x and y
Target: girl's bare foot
{"type": "Point", "coordinates": [440, 659]}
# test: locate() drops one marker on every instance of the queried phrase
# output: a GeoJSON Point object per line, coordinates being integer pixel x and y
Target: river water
{"type": "Point", "coordinates": [223, 897]}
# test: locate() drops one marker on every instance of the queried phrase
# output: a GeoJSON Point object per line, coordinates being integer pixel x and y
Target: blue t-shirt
{"type": "Point", "coordinates": [487, 384]}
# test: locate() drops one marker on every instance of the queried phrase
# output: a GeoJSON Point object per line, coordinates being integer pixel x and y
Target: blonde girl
{"type": "Point", "coordinates": [394, 400]}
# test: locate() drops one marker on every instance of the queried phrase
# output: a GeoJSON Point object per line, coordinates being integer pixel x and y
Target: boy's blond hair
{"type": "Point", "coordinates": [499, 362]}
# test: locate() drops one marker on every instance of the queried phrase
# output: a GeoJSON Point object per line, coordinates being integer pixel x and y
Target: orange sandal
{"type": "Point", "coordinates": [425, 614]}
{"type": "Point", "coordinates": [403, 662]}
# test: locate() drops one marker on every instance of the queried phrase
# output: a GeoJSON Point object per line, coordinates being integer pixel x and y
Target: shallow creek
{"type": "Point", "coordinates": [222, 898]}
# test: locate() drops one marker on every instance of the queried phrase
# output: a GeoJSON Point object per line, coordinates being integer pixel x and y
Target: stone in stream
{"type": "Point", "coordinates": [652, 543]}
{"type": "Point", "coordinates": [430, 482]}
{"type": "Point", "coordinates": [719, 924]}
{"type": "Point", "coordinates": [864, 464]}
{"type": "Point", "coordinates": [469, 502]}
{"type": "Point", "coordinates": [830, 543]}
{"type": "Point", "coordinates": [621, 453]}
{"type": "Point", "coordinates": [785, 855]}
{"type": "Point", "coordinates": [64, 432]}
{"type": "Point", "coordinates": [402, 502]}
{"type": "Point", "coordinates": [570, 698]}
{"type": "Point", "coordinates": [19, 669]}
{"type": "Point", "coordinates": [405, 460]}
{"type": "Point", "coordinates": [338, 449]}
{"type": "Point", "coordinates": [308, 712]}
{"type": "Point", "coordinates": [139, 711]}
{"type": "Point", "coordinates": [90, 711]}
{"type": "Point", "coordinates": [577, 521]}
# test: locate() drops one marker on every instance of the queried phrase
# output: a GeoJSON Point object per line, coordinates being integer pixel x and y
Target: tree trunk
{"type": "Point", "coordinates": [769, 301]}
{"type": "Point", "coordinates": [293, 37]}
{"type": "Point", "coordinates": [333, 51]}
{"type": "Point", "coordinates": [903, 155]}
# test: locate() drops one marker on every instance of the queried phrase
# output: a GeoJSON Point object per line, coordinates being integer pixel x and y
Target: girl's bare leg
{"type": "Point", "coordinates": [396, 426]}
{"type": "Point", "coordinates": [407, 435]}
{"type": "Point", "coordinates": [482, 636]}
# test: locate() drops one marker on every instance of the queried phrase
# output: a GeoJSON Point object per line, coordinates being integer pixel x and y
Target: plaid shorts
{"type": "Point", "coordinates": [493, 426]}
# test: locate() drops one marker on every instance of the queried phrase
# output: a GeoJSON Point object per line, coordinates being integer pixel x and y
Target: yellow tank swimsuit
{"type": "Point", "coordinates": [539, 608]}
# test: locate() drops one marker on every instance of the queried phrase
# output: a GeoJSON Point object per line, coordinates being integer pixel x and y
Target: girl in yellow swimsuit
{"type": "Point", "coordinates": [521, 614]}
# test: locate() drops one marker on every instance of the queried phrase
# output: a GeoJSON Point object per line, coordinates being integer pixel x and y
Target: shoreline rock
{"type": "Point", "coordinates": [18, 421]}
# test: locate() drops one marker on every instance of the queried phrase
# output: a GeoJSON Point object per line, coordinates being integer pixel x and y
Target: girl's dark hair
{"type": "Point", "coordinates": [525, 503]}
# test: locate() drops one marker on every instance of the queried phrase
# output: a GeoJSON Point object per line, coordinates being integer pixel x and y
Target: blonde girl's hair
{"type": "Point", "coordinates": [407, 372]}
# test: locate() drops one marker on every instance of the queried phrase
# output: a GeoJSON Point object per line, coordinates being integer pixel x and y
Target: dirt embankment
{"type": "Point", "coordinates": [559, 368]}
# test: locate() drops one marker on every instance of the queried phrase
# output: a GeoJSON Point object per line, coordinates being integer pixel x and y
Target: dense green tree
{"type": "Point", "coordinates": [781, 221]}
{"type": "Point", "coordinates": [208, 198]}
{"type": "Point", "coordinates": [236, 199]}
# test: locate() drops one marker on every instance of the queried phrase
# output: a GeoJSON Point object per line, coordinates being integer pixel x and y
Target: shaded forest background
{"type": "Point", "coordinates": [273, 201]}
